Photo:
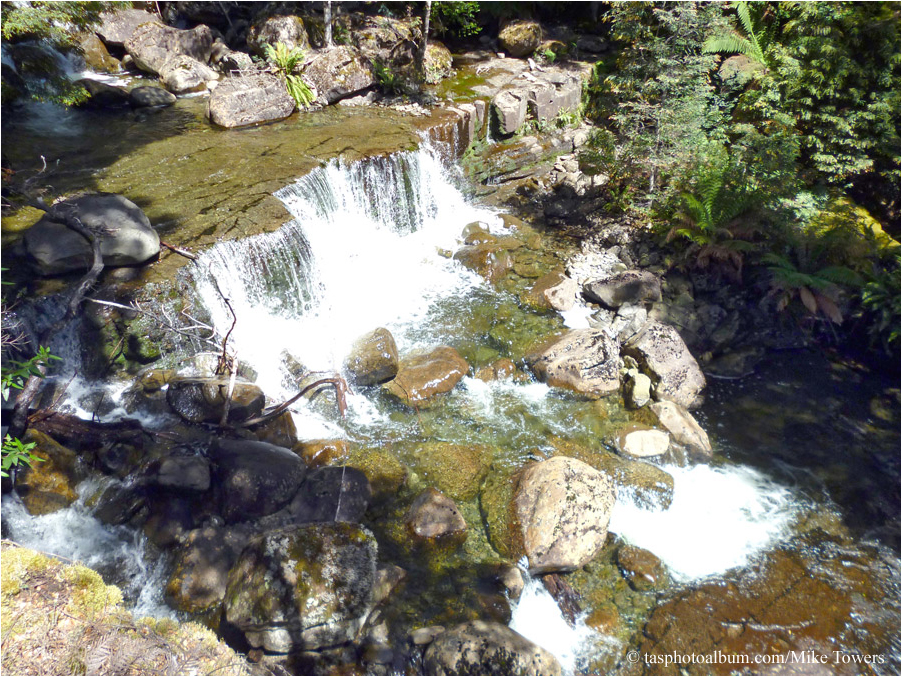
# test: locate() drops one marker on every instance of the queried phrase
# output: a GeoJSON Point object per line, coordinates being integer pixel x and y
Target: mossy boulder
{"type": "Point", "coordinates": [496, 506]}
{"type": "Point", "coordinates": [387, 475]}
{"type": "Point", "coordinates": [303, 588]}
{"type": "Point", "coordinates": [454, 469]}
{"type": "Point", "coordinates": [437, 62]}
{"type": "Point", "coordinates": [62, 619]}
{"type": "Point", "coordinates": [520, 38]}
{"type": "Point", "coordinates": [48, 485]}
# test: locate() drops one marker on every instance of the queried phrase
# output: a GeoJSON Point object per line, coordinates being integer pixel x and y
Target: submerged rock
{"type": "Point", "coordinates": [488, 260]}
{"type": "Point", "coordinates": [249, 100]}
{"type": "Point", "coordinates": [433, 515]}
{"type": "Point", "coordinates": [202, 400]}
{"type": "Point", "coordinates": [583, 360]}
{"type": "Point", "coordinates": [662, 354]}
{"type": "Point", "coordinates": [318, 453]}
{"type": "Point", "coordinates": [128, 238]}
{"type": "Point", "coordinates": [484, 648]}
{"type": "Point", "coordinates": [422, 377]}
{"type": "Point", "coordinates": [642, 569]}
{"type": "Point", "coordinates": [562, 507]}
{"type": "Point", "coordinates": [303, 588]}
{"type": "Point", "coordinates": [455, 469]}
{"type": "Point", "coordinates": [373, 359]}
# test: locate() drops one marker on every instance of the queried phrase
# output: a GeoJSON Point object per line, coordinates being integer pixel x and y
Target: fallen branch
{"type": "Point", "coordinates": [179, 250]}
{"type": "Point", "coordinates": [340, 385]}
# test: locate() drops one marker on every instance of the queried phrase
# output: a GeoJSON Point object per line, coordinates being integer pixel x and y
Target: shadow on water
{"type": "Point", "coordinates": [829, 427]}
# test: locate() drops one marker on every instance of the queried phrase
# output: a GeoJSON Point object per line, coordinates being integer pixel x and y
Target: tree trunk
{"type": "Point", "coordinates": [327, 11]}
{"type": "Point", "coordinates": [421, 52]}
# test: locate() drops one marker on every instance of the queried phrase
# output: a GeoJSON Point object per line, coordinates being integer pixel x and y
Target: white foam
{"type": "Point", "coordinates": [718, 520]}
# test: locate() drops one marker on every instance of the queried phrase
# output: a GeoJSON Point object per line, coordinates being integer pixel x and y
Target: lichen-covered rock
{"type": "Point", "coordinates": [373, 359]}
{"type": "Point", "coordinates": [255, 478]}
{"type": "Point", "coordinates": [433, 515]}
{"type": "Point", "coordinates": [455, 469]}
{"type": "Point", "coordinates": [437, 62]}
{"type": "Point", "coordinates": [630, 286]}
{"type": "Point", "coordinates": [248, 100]}
{"type": "Point", "coordinates": [683, 428]}
{"type": "Point", "coordinates": [48, 485]}
{"type": "Point", "coordinates": [662, 354]}
{"type": "Point", "coordinates": [520, 38]}
{"type": "Point", "coordinates": [151, 45]}
{"type": "Point", "coordinates": [485, 648]}
{"type": "Point", "coordinates": [183, 74]}
{"type": "Point", "coordinates": [128, 238]}
{"type": "Point", "coordinates": [422, 377]}
{"type": "Point", "coordinates": [584, 360]}
{"type": "Point", "coordinates": [269, 30]}
{"type": "Point", "coordinates": [303, 588]}
{"type": "Point", "coordinates": [202, 400]}
{"type": "Point", "coordinates": [337, 73]}
{"type": "Point", "coordinates": [387, 40]}
{"type": "Point", "coordinates": [562, 507]}
{"type": "Point", "coordinates": [117, 27]}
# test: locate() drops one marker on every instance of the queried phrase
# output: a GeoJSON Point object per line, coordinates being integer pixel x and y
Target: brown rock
{"type": "Point", "coordinates": [488, 260]}
{"type": "Point", "coordinates": [584, 360]}
{"type": "Point", "coordinates": [562, 507]}
{"type": "Point", "coordinates": [280, 431]}
{"type": "Point", "coordinates": [422, 377]}
{"type": "Point", "coordinates": [499, 369]}
{"type": "Point", "coordinates": [642, 569]}
{"type": "Point", "coordinates": [433, 515]}
{"type": "Point", "coordinates": [373, 359]}
{"type": "Point", "coordinates": [47, 485]}
{"type": "Point", "coordinates": [318, 453]}
{"type": "Point", "coordinates": [520, 38]}
{"type": "Point", "coordinates": [683, 428]}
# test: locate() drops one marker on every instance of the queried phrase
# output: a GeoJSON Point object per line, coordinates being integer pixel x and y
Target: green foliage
{"type": "Point", "coordinates": [817, 290]}
{"type": "Point", "coordinates": [603, 156]}
{"type": "Point", "coordinates": [286, 61]}
{"type": "Point", "coordinates": [750, 39]}
{"type": "Point", "coordinates": [14, 374]}
{"type": "Point", "coordinates": [881, 298]}
{"type": "Point", "coordinates": [51, 21]}
{"type": "Point", "coordinates": [388, 79]}
{"type": "Point", "coordinates": [457, 19]}
{"type": "Point", "coordinates": [15, 454]}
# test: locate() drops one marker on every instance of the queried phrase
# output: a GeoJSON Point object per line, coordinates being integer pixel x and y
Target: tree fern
{"type": "Point", "coordinates": [751, 41]}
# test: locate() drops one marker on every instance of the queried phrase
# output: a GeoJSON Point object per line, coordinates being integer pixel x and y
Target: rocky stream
{"type": "Point", "coordinates": [523, 451]}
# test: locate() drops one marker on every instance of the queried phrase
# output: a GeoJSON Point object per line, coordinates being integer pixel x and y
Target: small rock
{"type": "Point", "coordinates": [373, 359]}
{"type": "Point", "coordinates": [638, 389]}
{"type": "Point", "coordinates": [422, 377]}
{"type": "Point", "coordinates": [433, 515]}
{"type": "Point", "coordinates": [318, 453]}
{"type": "Point", "coordinates": [644, 443]}
{"type": "Point", "coordinates": [641, 569]}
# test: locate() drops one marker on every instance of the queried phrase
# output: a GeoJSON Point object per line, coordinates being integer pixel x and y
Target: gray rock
{"type": "Point", "coordinates": [373, 359]}
{"type": "Point", "coordinates": [562, 296]}
{"type": "Point", "coordinates": [331, 494]}
{"type": "Point", "coordinates": [226, 60]}
{"type": "Point", "coordinates": [285, 28]}
{"type": "Point", "coordinates": [142, 97]}
{"type": "Point", "coordinates": [202, 400]}
{"type": "Point", "coordinates": [128, 238]}
{"type": "Point", "coordinates": [584, 360]}
{"type": "Point", "coordinates": [509, 110]}
{"type": "Point", "coordinates": [255, 478]}
{"type": "Point", "coordinates": [683, 427]}
{"type": "Point", "coordinates": [434, 515]}
{"type": "Point", "coordinates": [152, 45]}
{"type": "Point", "coordinates": [631, 286]}
{"type": "Point", "coordinates": [183, 74]}
{"type": "Point", "coordinates": [104, 95]}
{"type": "Point", "coordinates": [249, 100]}
{"type": "Point", "coordinates": [644, 443]}
{"type": "Point", "coordinates": [338, 73]}
{"type": "Point", "coordinates": [118, 26]}
{"type": "Point", "coordinates": [487, 648]}
{"type": "Point", "coordinates": [562, 508]}
{"type": "Point", "coordinates": [638, 389]}
{"type": "Point", "coordinates": [663, 355]}
{"type": "Point", "coordinates": [184, 472]}
{"type": "Point", "coordinates": [303, 588]}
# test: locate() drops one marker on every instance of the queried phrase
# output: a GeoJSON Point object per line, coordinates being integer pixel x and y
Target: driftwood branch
{"type": "Point", "coordinates": [179, 250]}
{"type": "Point", "coordinates": [341, 388]}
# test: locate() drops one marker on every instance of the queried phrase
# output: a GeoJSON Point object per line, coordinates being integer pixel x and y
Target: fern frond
{"type": "Point", "coordinates": [728, 44]}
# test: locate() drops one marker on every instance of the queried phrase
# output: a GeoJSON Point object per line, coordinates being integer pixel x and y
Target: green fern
{"type": "Point", "coordinates": [286, 61]}
{"type": "Point", "coordinates": [749, 40]}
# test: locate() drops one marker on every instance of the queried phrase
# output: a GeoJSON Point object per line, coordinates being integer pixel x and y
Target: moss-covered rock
{"type": "Point", "coordinates": [386, 474]}
{"type": "Point", "coordinates": [62, 619]}
{"type": "Point", "coordinates": [520, 38]}
{"type": "Point", "coordinates": [454, 469]}
{"type": "Point", "coordinates": [48, 485]}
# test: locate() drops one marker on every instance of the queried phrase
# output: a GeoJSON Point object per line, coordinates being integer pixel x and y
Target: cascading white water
{"type": "Point", "coordinates": [362, 252]}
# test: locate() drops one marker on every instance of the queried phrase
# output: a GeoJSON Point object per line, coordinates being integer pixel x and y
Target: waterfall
{"type": "Point", "coordinates": [363, 250]}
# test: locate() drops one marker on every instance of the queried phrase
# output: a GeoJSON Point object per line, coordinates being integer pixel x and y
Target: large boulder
{"type": "Point", "coordinates": [48, 485]}
{"type": "Point", "coordinates": [96, 56]}
{"type": "Point", "coordinates": [562, 507]}
{"type": "Point", "coordinates": [303, 588]}
{"type": "Point", "coordinates": [384, 39]}
{"type": "Point", "coordinates": [683, 428]}
{"type": "Point", "coordinates": [254, 478]}
{"type": "Point", "coordinates": [202, 400]}
{"type": "Point", "coordinates": [630, 286]}
{"type": "Point", "coordinates": [269, 30]}
{"type": "Point", "coordinates": [486, 648]}
{"type": "Point", "coordinates": [373, 359]}
{"type": "Point", "coordinates": [438, 62]}
{"type": "Point", "coordinates": [487, 259]}
{"type": "Point", "coordinates": [584, 360]}
{"type": "Point", "coordinates": [117, 27]}
{"type": "Point", "coordinates": [520, 38]}
{"type": "Point", "coordinates": [509, 109]}
{"type": "Point", "coordinates": [151, 45]}
{"type": "Point", "coordinates": [422, 377]}
{"type": "Point", "coordinates": [249, 100]}
{"type": "Point", "coordinates": [183, 74]}
{"type": "Point", "coordinates": [337, 73]}
{"type": "Point", "coordinates": [663, 355]}
{"type": "Point", "coordinates": [128, 238]}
